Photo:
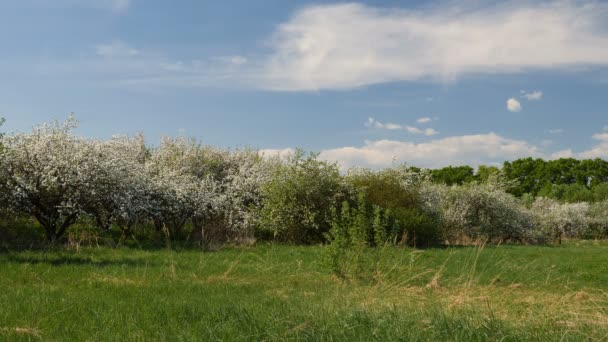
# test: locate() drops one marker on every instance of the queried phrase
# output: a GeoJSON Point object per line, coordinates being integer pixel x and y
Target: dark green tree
{"type": "Point", "coordinates": [453, 175]}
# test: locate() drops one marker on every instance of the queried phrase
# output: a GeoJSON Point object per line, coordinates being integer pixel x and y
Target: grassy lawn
{"type": "Point", "coordinates": [274, 292]}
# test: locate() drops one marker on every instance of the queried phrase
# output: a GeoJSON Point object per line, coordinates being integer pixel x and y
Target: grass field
{"type": "Point", "coordinates": [274, 292]}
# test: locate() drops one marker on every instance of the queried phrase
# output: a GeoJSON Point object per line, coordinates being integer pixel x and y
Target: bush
{"type": "Point", "coordinates": [479, 211]}
{"type": "Point", "coordinates": [598, 221]}
{"type": "Point", "coordinates": [556, 220]}
{"type": "Point", "coordinates": [353, 231]}
{"type": "Point", "coordinates": [398, 192]}
{"type": "Point", "coordinates": [299, 198]}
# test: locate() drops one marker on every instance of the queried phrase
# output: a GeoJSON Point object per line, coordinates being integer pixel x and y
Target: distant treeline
{"type": "Point", "coordinates": [566, 179]}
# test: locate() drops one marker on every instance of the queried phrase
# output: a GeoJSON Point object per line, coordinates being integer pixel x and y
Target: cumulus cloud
{"type": "Point", "coordinates": [600, 150]}
{"type": "Point", "coordinates": [474, 150]}
{"type": "Point", "coordinates": [513, 105]}
{"type": "Point", "coordinates": [467, 149]}
{"type": "Point", "coordinates": [343, 46]}
{"type": "Point", "coordinates": [533, 96]}
{"type": "Point", "coordinates": [568, 153]}
{"type": "Point", "coordinates": [371, 122]}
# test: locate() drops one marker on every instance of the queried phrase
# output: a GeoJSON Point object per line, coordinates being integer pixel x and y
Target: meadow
{"type": "Point", "coordinates": [280, 292]}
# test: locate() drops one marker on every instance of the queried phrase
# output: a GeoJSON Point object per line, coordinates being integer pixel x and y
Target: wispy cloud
{"type": "Point", "coordinates": [513, 105]}
{"type": "Point", "coordinates": [371, 122]}
{"type": "Point", "coordinates": [343, 46]}
{"type": "Point", "coordinates": [121, 64]}
{"type": "Point", "coordinates": [425, 120]}
{"type": "Point", "coordinates": [351, 45]}
{"type": "Point", "coordinates": [556, 131]}
{"type": "Point", "coordinates": [116, 5]}
{"type": "Point", "coordinates": [533, 96]}
{"type": "Point", "coordinates": [115, 49]}
{"type": "Point", "coordinates": [112, 5]}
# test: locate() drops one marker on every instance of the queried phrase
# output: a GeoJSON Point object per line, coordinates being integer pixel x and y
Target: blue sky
{"type": "Point", "coordinates": [364, 83]}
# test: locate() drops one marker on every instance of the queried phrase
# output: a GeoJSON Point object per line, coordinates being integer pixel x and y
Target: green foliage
{"type": "Point", "coordinates": [574, 193]}
{"type": "Point", "coordinates": [298, 199]}
{"type": "Point", "coordinates": [398, 192]}
{"type": "Point", "coordinates": [484, 172]}
{"type": "Point", "coordinates": [535, 175]}
{"type": "Point", "coordinates": [452, 175]}
{"type": "Point", "coordinates": [355, 230]}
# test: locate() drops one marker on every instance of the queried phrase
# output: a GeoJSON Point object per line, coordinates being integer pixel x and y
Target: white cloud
{"type": "Point", "coordinates": [556, 131]}
{"type": "Point", "coordinates": [599, 150]}
{"type": "Point", "coordinates": [513, 105]}
{"type": "Point", "coordinates": [371, 122]}
{"type": "Point", "coordinates": [424, 120]}
{"type": "Point", "coordinates": [115, 49]}
{"type": "Point", "coordinates": [415, 130]}
{"type": "Point", "coordinates": [342, 46]}
{"type": "Point", "coordinates": [457, 150]}
{"type": "Point", "coordinates": [562, 154]}
{"type": "Point", "coordinates": [603, 137]}
{"type": "Point", "coordinates": [533, 96]}
{"type": "Point", "coordinates": [474, 150]}
{"type": "Point", "coordinates": [117, 63]}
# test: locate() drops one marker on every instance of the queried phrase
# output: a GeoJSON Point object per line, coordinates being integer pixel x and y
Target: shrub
{"type": "Point", "coordinates": [557, 221]}
{"type": "Point", "coordinates": [598, 220]}
{"type": "Point", "coordinates": [479, 211]}
{"type": "Point", "coordinates": [399, 193]}
{"type": "Point", "coordinates": [353, 231]}
{"type": "Point", "coordinates": [298, 199]}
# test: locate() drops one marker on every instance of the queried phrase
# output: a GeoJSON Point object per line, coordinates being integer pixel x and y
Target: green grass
{"type": "Point", "coordinates": [273, 292]}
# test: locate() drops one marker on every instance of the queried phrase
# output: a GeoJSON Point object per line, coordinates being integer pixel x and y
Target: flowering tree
{"type": "Point", "coordinates": [557, 220]}
{"type": "Point", "coordinates": [118, 189]}
{"type": "Point", "coordinates": [42, 174]}
{"type": "Point", "coordinates": [246, 174]}
{"type": "Point", "coordinates": [481, 211]}
{"type": "Point", "coordinates": [172, 185]}
{"type": "Point", "coordinates": [598, 220]}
